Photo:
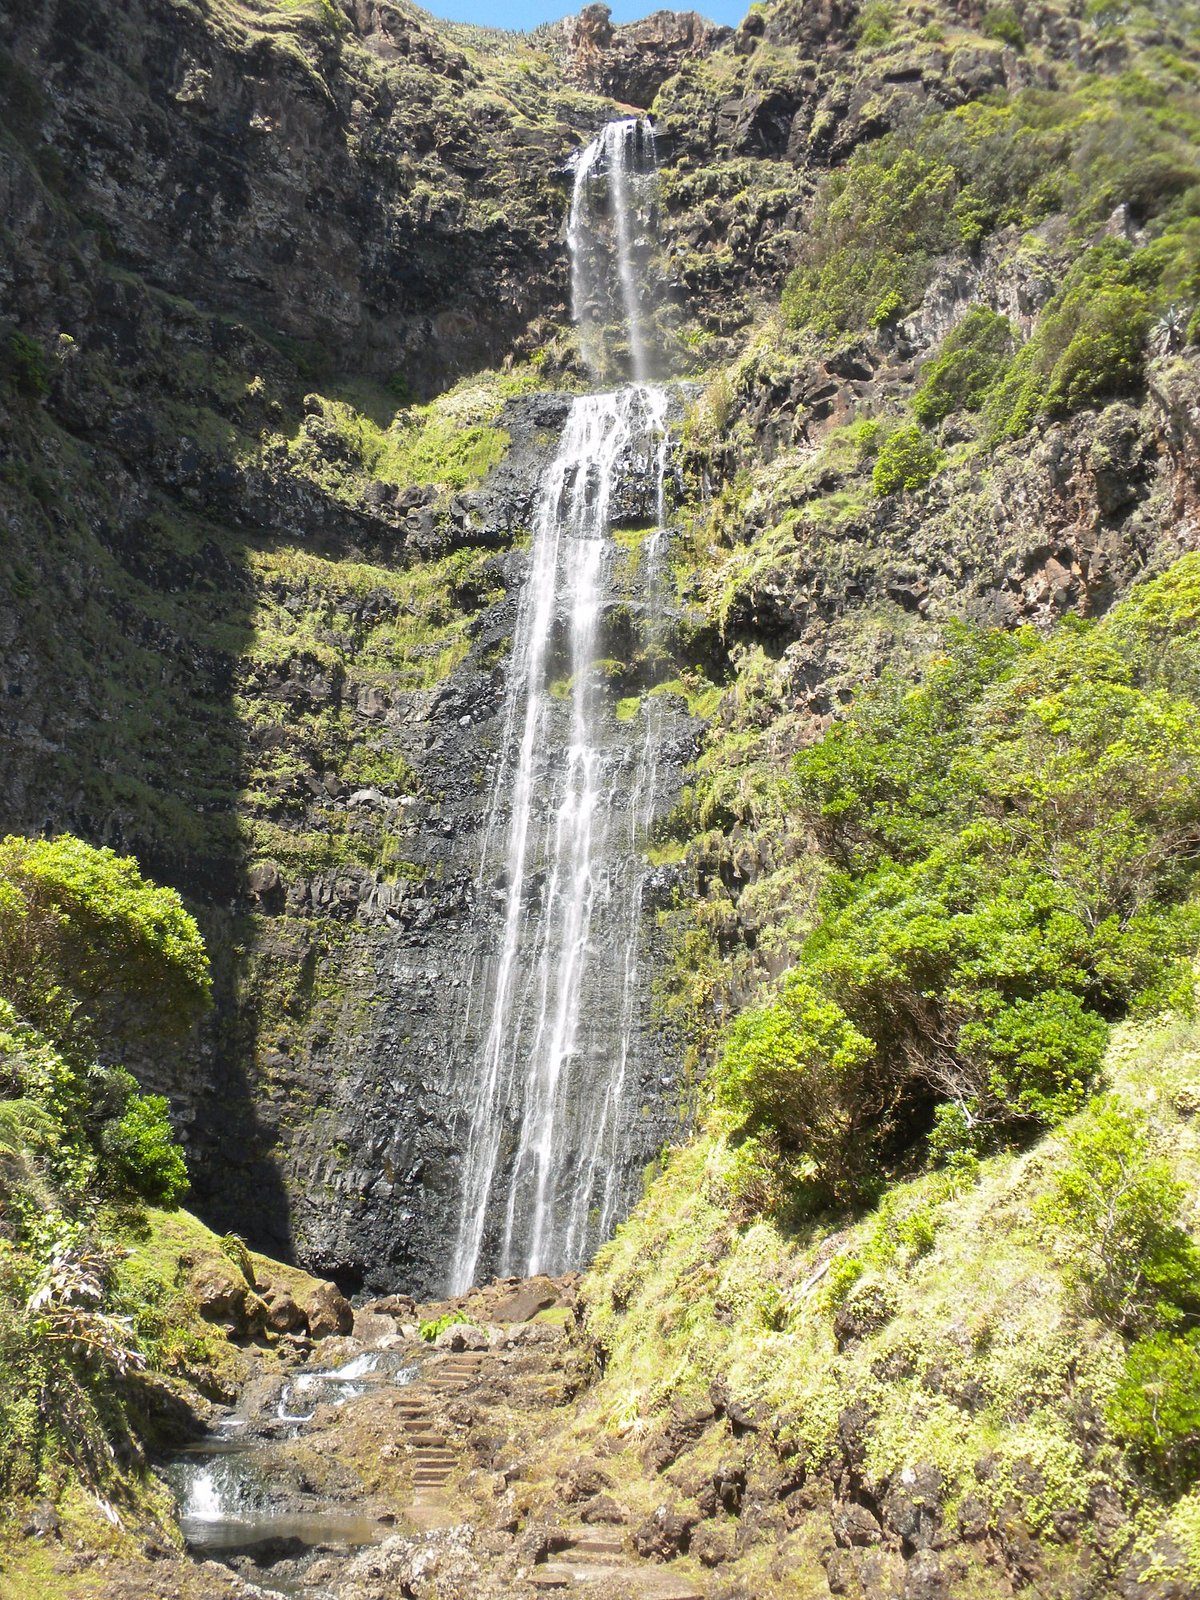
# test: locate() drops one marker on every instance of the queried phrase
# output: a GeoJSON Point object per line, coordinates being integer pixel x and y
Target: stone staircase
{"type": "Point", "coordinates": [596, 1558]}
{"type": "Point", "coordinates": [588, 1559]}
{"type": "Point", "coordinates": [433, 1457]}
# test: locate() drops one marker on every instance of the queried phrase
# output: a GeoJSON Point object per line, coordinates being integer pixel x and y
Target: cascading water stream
{"type": "Point", "coordinates": [547, 1152]}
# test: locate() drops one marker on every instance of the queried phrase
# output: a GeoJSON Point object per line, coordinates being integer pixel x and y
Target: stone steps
{"type": "Point", "coordinates": [433, 1458]}
{"type": "Point", "coordinates": [648, 1584]}
{"type": "Point", "coordinates": [582, 1540]}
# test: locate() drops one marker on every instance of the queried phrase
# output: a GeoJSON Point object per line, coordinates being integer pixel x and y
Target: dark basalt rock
{"type": "Point", "coordinates": [630, 63]}
{"type": "Point", "coordinates": [666, 1534]}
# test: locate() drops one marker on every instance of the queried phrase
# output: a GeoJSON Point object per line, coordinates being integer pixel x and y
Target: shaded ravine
{"type": "Point", "coordinates": [551, 1023]}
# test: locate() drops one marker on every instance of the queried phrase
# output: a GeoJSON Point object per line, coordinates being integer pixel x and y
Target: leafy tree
{"type": "Point", "coordinates": [1092, 777]}
{"type": "Point", "coordinates": [801, 1070]}
{"type": "Point", "coordinates": [138, 1152]}
{"type": "Point", "coordinates": [1011, 843]}
{"type": "Point", "coordinates": [1155, 1409]}
{"type": "Point", "coordinates": [89, 948]}
{"type": "Point", "coordinates": [1156, 628]}
{"type": "Point", "coordinates": [879, 784]}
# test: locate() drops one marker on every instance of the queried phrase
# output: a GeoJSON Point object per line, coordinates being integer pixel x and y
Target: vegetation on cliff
{"type": "Point", "coordinates": [94, 962]}
{"type": "Point", "coordinates": [937, 917]}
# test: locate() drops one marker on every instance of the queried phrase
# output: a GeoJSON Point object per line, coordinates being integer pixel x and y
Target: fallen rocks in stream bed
{"type": "Point", "coordinates": [441, 1564]}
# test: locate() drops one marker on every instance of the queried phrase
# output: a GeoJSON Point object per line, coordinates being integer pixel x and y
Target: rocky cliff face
{"type": "Point", "coordinates": [345, 177]}
{"type": "Point", "coordinates": [264, 553]}
{"type": "Point", "coordinates": [630, 64]}
{"type": "Point", "coordinates": [260, 601]}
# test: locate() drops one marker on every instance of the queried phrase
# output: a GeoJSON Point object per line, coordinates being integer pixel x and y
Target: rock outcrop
{"type": "Point", "coordinates": [630, 62]}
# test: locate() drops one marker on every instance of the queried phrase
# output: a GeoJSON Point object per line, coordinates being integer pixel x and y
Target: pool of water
{"type": "Point", "coordinates": [229, 1496]}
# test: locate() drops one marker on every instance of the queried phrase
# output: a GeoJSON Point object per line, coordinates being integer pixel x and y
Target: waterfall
{"type": "Point", "coordinates": [613, 194]}
{"type": "Point", "coordinates": [547, 1153]}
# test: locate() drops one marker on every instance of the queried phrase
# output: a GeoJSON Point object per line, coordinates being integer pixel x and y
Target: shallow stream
{"type": "Point", "coordinates": [235, 1496]}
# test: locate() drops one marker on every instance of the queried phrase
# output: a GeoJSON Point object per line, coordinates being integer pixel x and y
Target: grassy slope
{"type": "Point", "coordinates": [983, 1369]}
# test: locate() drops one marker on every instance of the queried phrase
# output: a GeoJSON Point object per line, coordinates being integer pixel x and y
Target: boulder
{"type": "Point", "coordinates": [524, 1302]}
{"type": "Point", "coordinates": [461, 1336]}
{"type": "Point", "coordinates": [912, 1506]}
{"type": "Point", "coordinates": [402, 1306]}
{"type": "Point", "coordinates": [283, 1314]}
{"type": "Point", "coordinates": [667, 1533]}
{"type": "Point", "coordinates": [220, 1292]}
{"type": "Point", "coordinates": [855, 1525]}
{"type": "Point", "coordinates": [602, 1509]}
{"type": "Point", "coordinates": [328, 1312]}
{"type": "Point", "coordinates": [712, 1544]}
{"type": "Point", "coordinates": [370, 1327]}
{"type": "Point", "coordinates": [582, 1479]}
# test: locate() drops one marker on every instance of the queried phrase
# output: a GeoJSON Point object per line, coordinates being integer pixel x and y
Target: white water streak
{"type": "Point", "coordinates": [548, 1145]}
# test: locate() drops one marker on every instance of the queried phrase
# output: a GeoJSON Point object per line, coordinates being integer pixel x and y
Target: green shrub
{"type": "Point", "coordinates": [879, 224]}
{"type": "Point", "coordinates": [1157, 628]}
{"type": "Point", "coordinates": [23, 363]}
{"type": "Point", "coordinates": [430, 1330]}
{"type": "Point", "coordinates": [1002, 22]}
{"type": "Point", "coordinates": [973, 357]}
{"type": "Point", "coordinates": [1037, 1054]}
{"type": "Point", "coordinates": [844, 1272]}
{"type": "Point", "coordinates": [1010, 859]}
{"type": "Point", "coordinates": [87, 944]}
{"type": "Point", "coordinates": [906, 460]}
{"type": "Point", "coordinates": [139, 1156]}
{"type": "Point", "coordinates": [1155, 1409]}
{"type": "Point", "coordinates": [235, 1249]}
{"type": "Point", "coordinates": [873, 25]}
{"type": "Point", "coordinates": [1088, 345]}
{"type": "Point", "coordinates": [798, 1068]}
{"type": "Point", "coordinates": [92, 957]}
{"type": "Point", "coordinates": [1116, 1206]}
{"type": "Point", "coordinates": [955, 1141]}
{"type": "Point", "coordinates": [888, 309]}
